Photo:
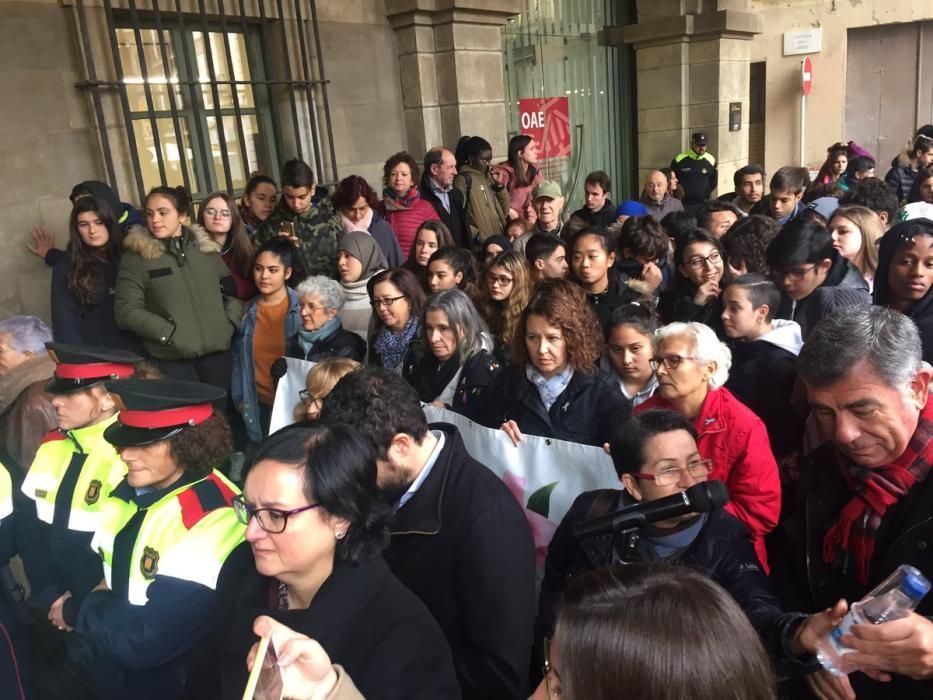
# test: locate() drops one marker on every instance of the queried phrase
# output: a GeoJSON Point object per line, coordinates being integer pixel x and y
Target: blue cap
{"type": "Point", "coordinates": [824, 206]}
{"type": "Point", "coordinates": [915, 584]}
{"type": "Point", "coordinates": [631, 208]}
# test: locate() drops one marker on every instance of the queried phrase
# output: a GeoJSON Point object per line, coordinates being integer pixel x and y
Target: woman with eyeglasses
{"type": "Point", "coordinates": [316, 522]}
{"type": "Point", "coordinates": [458, 368]}
{"type": "Point", "coordinates": [397, 300]}
{"type": "Point", "coordinates": [322, 334]}
{"type": "Point", "coordinates": [692, 366]}
{"type": "Point", "coordinates": [320, 381]}
{"type": "Point", "coordinates": [653, 631]}
{"type": "Point", "coordinates": [655, 456]}
{"type": "Point", "coordinates": [221, 218]}
{"type": "Point", "coordinates": [506, 291]}
{"type": "Point", "coordinates": [696, 291]}
{"type": "Point", "coordinates": [553, 387]}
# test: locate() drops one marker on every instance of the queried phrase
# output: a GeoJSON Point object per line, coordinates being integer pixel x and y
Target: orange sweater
{"type": "Point", "coordinates": [268, 346]}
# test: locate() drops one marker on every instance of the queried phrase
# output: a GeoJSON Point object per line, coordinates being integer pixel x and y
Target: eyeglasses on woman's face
{"type": "Point", "coordinates": [385, 301]}
{"type": "Point", "coordinates": [698, 262]}
{"type": "Point", "coordinates": [795, 274]}
{"type": "Point", "coordinates": [668, 476]}
{"type": "Point", "coordinates": [272, 520]}
{"type": "Point", "coordinates": [670, 362]}
{"type": "Point", "coordinates": [221, 213]}
{"type": "Point", "coordinates": [500, 280]}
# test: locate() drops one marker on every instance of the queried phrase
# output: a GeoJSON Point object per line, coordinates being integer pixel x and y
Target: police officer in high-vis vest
{"type": "Point", "coordinates": [168, 530]}
{"type": "Point", "coordinates": [68, 481]}
{"type": "Point", "coordinates": [15, 676]}
{"type": "Point", "coordinates": [696, 170]}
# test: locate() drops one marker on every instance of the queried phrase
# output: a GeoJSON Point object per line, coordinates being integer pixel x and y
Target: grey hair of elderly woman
{"type": "Point", "coordinates": [885, 339]}
{"type": "Point", "coordinates": [328, 291]}
{"type": "Point", "coordinates": [26, 334]}
{"type": "Point", "coordinates": [706, 348]}
{"type": "Point", "coordinates": [471, 330]}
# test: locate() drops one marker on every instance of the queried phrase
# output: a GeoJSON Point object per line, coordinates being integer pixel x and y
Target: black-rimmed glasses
{"type": "Point", "coordinates": [387, 302]}
{"type": "Point", "coordinates": [272, 520]}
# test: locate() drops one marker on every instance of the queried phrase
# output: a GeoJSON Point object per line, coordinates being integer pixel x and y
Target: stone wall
{"type": "Point", "coordinates": [49, 138]}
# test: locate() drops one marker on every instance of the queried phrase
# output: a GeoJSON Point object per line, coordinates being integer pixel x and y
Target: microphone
{"type": "Point", "coordinates": [699, 498]}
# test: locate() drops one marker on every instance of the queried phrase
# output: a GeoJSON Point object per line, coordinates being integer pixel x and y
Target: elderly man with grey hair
{"type": "Point", "coordinates": [864, 501]}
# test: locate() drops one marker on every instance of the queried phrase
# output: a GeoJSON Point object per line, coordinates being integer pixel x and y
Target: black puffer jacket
{"type": "Point", "coordinates": [340, 343]}
{"type": "Point", "coordinates": [622, 290]}
{"type": "Point", "coordinates": [843, 286]}
{"type": "Point", "coordinates": [900, 179]}
{"type": "Point", "coordinates": [810, 584]}
{"type": "Point", "coordinates": [585, 412]}
{"type": "Point", "coordinates": [722, 551]}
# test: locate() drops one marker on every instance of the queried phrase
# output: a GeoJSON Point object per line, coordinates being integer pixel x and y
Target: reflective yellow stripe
{"type": "Point", "coordinates": [6, 492]}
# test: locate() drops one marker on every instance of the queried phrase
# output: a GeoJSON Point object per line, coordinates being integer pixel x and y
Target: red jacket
{"type": "Point", "coordinates": [737, 442]}
{"type": "Point", "coordinates": [405, 222]}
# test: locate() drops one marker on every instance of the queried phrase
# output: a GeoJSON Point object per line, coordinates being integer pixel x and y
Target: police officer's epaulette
{"type": "Point", "coordinates": [52, 436]}
{"type": "Point", "coordinates": [205, 496]}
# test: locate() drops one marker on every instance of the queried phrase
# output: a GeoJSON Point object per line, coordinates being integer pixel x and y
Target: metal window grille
{"type": "Point", "coordinates": [210, 91]}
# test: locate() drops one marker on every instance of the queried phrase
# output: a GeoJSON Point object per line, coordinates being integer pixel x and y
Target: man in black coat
{"type": "Point", "coordinates": [437, 187]}
{"type": "Point", "coordinates": [862, 505]}
{"type": "Point", "coordinates": [460, 540]}
{"type": "Point", "coordinates": [598, 209]}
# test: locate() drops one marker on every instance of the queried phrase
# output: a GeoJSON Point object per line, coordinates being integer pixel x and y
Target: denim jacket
{"type": "Point", "coordinates": [243, 381]}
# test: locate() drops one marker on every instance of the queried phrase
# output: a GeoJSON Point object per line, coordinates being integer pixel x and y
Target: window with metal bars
{"type": "Point", "coordinates": [210, 92]}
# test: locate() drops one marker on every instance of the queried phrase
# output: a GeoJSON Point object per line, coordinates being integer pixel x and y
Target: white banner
{"type": "Point", "coordinates": [544, 475]}
{"type": "Point", "coordinates": [286, 393]}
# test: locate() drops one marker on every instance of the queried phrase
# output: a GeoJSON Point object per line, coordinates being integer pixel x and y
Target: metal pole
{"type": "Point", "coordinates": [803, 120]}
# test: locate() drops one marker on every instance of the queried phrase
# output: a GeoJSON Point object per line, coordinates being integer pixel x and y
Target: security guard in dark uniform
{"type": "Point", "coordinates": [68, 481]}
{"type": "Point", "coordinates": [168, 530]}
{"type": "Point", "coordinates": [696, 170]}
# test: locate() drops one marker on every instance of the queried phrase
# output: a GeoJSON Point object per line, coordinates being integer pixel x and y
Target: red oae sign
{"type": "Point", "coordinates": [547, 120]}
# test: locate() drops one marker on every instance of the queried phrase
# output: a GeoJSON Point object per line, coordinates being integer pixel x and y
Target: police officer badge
{"type": "Point", "coordinates": [149, 564]}
{"type": "Point", "coordinates": [93, 492]}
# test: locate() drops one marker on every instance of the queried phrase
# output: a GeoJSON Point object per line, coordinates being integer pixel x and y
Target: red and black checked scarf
{"type": "Point", "coordinates": [875, 491]}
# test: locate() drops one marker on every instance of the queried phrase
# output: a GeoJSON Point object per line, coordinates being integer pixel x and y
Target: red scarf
{"type": "Point", "coordinates": [875, 491]}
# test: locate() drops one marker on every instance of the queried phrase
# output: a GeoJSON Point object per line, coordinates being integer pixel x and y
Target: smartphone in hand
{"type": "Point", "coordinates": [265, 678]}
{"type": "Point", "coordinates": [287, 229]}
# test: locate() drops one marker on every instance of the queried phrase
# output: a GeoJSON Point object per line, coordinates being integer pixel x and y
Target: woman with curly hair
{"type": "Point", "coordinates": [220, 217]}
{"type": "Point", "coordinates": [506, 291]}
{"type": "Point", "coordinates": [357, 206]}
{"type": "Point", "coordinates": [83, 282]}
{"type": "Point", "coordinates": [402, 204]}
{"type": "Point", "coordinates": [553, 387]}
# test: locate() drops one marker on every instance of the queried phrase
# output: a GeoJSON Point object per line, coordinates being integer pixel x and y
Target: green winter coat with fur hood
{"type": "Point", "coordinates": [169, 293]}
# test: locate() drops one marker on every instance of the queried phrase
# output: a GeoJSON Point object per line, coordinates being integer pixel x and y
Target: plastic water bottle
{"type": "Point", "coordinates": [893, 599]}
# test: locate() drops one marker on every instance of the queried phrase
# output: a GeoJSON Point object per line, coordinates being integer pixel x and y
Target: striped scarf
{"type": "Point", "coordinates": [876, 490]}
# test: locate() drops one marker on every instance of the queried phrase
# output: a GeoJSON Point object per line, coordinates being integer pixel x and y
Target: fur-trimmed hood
{"type": "Point", "coordinates": [138, 240]}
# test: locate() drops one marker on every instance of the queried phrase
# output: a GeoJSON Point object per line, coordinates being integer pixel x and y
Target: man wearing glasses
{"type": "Point", "coordinates": [655, 455]}
{"type": "Point", "coordinates": [813, 277]}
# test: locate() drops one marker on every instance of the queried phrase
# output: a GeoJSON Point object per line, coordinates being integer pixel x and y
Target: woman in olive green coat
{"type": "Point", "coordinates": [175, 292]}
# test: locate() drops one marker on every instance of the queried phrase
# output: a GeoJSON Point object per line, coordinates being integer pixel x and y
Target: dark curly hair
{"type": "Point", "coordinates": [564, 305]}
{"type": "Point", "coordinates": [199, 448]}
{"type": "Point", "coordinates": [378, 403]}
{"type": "Point", "coordinates": [401, 157]}
{"type": "Point", "coordinates": [338, 469]}
{"type": "Point", "coordinates": [350, 189]}
{"type": "Point", "coordinates": [747, 242]}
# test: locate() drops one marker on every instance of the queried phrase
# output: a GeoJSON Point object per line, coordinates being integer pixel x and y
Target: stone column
{"type": "Point", "coordinates": [450, 64]}
{"type": "Point", "coordinates": [692, 60]}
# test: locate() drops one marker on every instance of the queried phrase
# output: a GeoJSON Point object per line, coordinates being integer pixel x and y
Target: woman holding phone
{"type": "Point", "coordinates": [316, 522]}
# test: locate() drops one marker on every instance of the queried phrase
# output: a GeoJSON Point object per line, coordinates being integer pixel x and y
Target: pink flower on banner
{"type": "Point", "coordinates": [536, 512]}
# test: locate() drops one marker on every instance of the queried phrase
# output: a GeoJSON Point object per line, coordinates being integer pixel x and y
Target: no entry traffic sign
{"type": "Point", "coordinates": [807, 75]}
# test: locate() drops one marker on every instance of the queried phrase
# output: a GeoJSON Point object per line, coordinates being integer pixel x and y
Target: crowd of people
{"type": "Point", "coordinates": [779, 343]}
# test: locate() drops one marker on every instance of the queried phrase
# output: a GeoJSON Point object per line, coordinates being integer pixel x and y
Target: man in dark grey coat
{"type": "Point", "coordinates": [460, 540]}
